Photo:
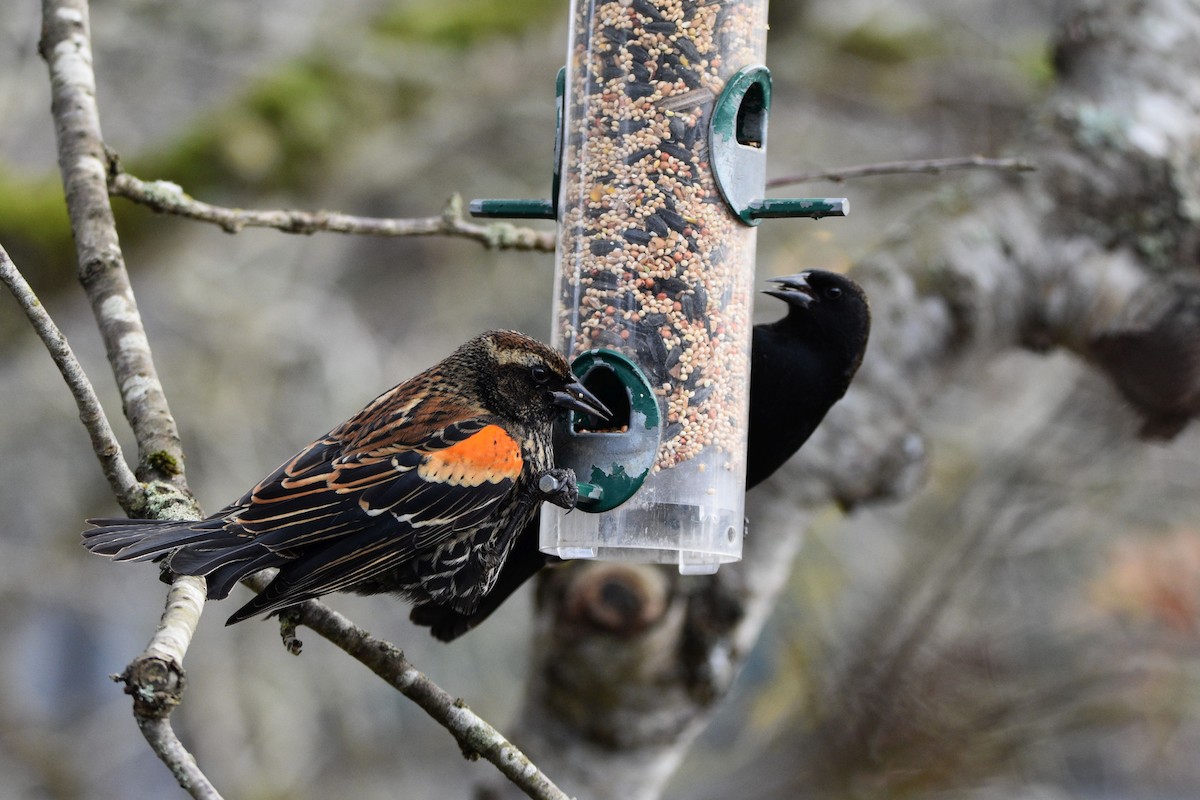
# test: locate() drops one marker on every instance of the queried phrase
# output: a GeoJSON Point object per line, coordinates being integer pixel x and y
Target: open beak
{"type": "Point", "coordinates": [577, 398]}
{"type": "Point", "coordinates": [795, 289]}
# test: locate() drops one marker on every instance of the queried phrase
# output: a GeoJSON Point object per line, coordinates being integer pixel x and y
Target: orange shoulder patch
{"type": "Point", "coordinates": [490, 456]}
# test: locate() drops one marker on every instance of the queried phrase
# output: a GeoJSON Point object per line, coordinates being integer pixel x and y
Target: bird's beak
{"type": "Point", "coordinates": [795, 289]}
{"type": "Point", "coordinates": [577, 398]}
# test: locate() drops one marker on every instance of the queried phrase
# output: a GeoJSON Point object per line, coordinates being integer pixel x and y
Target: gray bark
{"type": "Point", "coordinates": [83, 164]}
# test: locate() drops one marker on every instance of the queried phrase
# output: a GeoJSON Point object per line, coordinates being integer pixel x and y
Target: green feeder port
{"type": "Point", "coordinates": [611, 459]}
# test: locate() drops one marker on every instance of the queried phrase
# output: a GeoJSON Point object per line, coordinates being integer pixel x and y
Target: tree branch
{"type": "Point", "coordinates": [156, 680]}
{"type": "Point", "coordinates": [104, 442]}
{"type": "Point", "coordinates": [932, 166]}
{"type": "Point", "coordinates": [166, 744]}
{"type": "Point", "coordinates": [474, 735]}
{"type": "Point", "coordinates": [170, 198]}
{"type": "Point", "coordinates": [66, 47]}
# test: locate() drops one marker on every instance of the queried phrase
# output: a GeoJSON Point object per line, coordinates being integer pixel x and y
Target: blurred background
{"type": "Point", "coordinates": [1026, 625]}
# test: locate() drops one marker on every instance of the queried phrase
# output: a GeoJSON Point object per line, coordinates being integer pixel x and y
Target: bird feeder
{"type": "Point", "coordinates": [659, 183]}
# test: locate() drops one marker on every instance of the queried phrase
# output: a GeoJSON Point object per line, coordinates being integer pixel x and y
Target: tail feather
{"type": "Point", "coordinates": [147, 540]}
{"type": "Point", "coordinates": [223, 567]}
{"type": "Point", "coordinates": [277, 595]}
{"type": "Point", "coordinates": [222, 579]}
{"type": "Point", "coordinates": [204, 557]}
{"type": "Point", "coordinates": [199, 547]}
{"type": "Point", "coordinates": [111, 536]}
{"type": "Point", "coordinates": [306, 575]}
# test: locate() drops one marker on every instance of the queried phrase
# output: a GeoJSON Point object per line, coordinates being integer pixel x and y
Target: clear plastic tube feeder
{"type": "Point", "coordinates": [654, 277]}
{"type": "Point", "coordinates": [660, 179]}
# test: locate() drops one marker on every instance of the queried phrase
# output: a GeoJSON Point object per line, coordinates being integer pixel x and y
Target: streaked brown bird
{"type": "Point", "coordinates": [421, 493]}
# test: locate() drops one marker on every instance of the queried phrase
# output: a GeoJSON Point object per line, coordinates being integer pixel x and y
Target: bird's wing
{"type": "Point", "coordinates": [393, 495]}
{"type": "Point", "coordinates": [342, 519]}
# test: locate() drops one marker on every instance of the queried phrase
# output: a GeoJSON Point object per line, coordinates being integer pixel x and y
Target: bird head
{"type": "Point", "coordinates": [827, 305]}
{"type": "Point", "coordinates": [530, 380]}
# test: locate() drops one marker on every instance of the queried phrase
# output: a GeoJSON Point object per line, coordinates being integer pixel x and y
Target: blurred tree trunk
{"type": "Point", "coordinates": [1096, 253]}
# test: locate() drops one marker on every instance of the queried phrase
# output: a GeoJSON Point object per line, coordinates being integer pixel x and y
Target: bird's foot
{"type": "Point", "coordinates": [558, 486]}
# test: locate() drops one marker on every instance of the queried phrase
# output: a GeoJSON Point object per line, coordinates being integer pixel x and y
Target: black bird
{"type": "Point", "coordinates": [420, 493]}
{"type": "Point", "coordinates": [800, 366]}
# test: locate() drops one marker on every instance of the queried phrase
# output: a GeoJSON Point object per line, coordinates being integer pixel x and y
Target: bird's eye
{"type": "Point", "coordinates": [833, 292]}
{"type": "Point", "coordinates": [540, 374]}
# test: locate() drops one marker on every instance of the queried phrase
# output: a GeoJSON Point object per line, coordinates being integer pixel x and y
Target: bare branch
{"type": "Point", "coordinates": [474, 735]}
{"type": "Point", "coordinates": [66, 47]}
{"type": "Point", "coordinates": [161, 736]}
{"type": "Point", "coordinates": [170, 198]}
{"type": "Point", "coordinates": [932, 166]}
{"type": "Point", "coordinates": [177, 626]}
{"type": "Point", "coordinates": [156, 681]}
{"type": "Point", "coordinates": [104, 442]}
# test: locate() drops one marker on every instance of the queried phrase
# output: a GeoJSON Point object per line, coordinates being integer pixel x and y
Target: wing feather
{"type": "Point", "coordinates": [373, 512]}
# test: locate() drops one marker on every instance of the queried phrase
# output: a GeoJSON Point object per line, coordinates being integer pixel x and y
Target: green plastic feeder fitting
{"type": "Point", "coordinates": [611, 459]}
{"type": "Point", "coordinates": [533, 209]}
{"type": "Point", "coordinates": [815, 207]}
{"type": "Point", "coordinates": [513, 209]}
{"type": "Point", "coordinates": [738, 140]}
{"type": "Point", "coordinates": [738, 146]}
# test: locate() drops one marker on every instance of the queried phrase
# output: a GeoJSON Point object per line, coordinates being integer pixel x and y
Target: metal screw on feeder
{"type": "Point", "coordinates": [660, 172]}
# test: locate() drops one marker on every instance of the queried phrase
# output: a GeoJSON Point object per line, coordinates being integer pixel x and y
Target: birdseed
{"type": "Point", "coordinates": [653, 263]}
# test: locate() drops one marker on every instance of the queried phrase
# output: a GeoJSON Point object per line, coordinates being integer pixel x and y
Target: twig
{"type": "Point", "coordinates": [183, 766]}
{"type": "Point", "coordinates": [177, 626]}
{"type": "Point", "coordinates": [66, 47]}
{"type": "Point", "coordinates": [104, 442]}
{"type": "Point", "coordinates": [474, 735]}
{"type": "Point", "coordinates": [935, 165]}
{"type": "Point", "coordinates": [156, 680]}
{"type": "Point", "coordinates": [170, 198]}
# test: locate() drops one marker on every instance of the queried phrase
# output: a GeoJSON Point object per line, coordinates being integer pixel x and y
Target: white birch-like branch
{"type": "Point", "coordinates": [156, 680]}
{"type": "Point", "coordinates": [66, 47]}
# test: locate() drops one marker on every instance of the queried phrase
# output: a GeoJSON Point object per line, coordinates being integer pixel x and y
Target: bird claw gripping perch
{"type": "Point", "coordinates": [558, 486]}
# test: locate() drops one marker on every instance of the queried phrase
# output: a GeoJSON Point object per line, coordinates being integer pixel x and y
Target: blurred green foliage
{"type": "Point", "coordinates": [280, 134]}
{"type": "Point", "coordinates": [890, 46]}
{"type": "Point", "coordinates": [33, 221]}
{"type": "Point", "coordinates": [464, 23]}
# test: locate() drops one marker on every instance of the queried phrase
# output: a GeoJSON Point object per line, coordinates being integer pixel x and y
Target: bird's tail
{"type": "Point", "coordinates": [147, 539]}
{"type": "Point", "coordinates": [199, 547]}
